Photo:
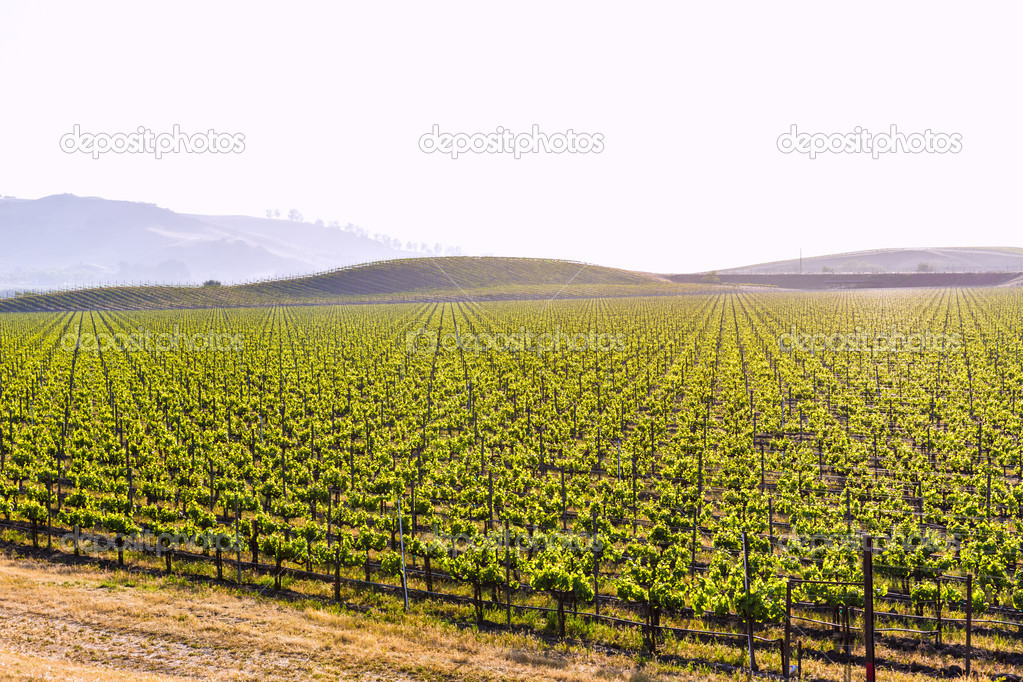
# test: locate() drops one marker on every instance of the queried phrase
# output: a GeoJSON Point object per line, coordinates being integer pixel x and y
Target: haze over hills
{"type": "Point", "coordinates": [64, 240]}
{"type": "Point", "coordinates": [473, 279]}
{"type": "Point", "coordinates": [941, 259]}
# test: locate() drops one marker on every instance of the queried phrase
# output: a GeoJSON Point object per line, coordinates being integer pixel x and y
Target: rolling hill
{"type": "Point", "coordinates": [405, 280]}
{"type": "Point", "coordinates": [464, 278]}
{"type": "Point", "coordinates": [944, 259]}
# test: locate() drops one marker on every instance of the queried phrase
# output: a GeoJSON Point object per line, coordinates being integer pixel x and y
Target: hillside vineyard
{"type": "Point", "coordinates": [543, 464]}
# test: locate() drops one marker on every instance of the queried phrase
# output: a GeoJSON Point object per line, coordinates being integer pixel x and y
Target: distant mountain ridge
{"type": "Point", "coordinates": [65, 240]}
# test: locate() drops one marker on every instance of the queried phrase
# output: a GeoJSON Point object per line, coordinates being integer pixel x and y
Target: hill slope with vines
{"type": "Point", "coordinates": [405, 280]}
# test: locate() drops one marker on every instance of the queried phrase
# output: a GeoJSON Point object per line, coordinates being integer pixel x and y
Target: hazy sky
{"type": "Point", "coordinates": [689, 98]}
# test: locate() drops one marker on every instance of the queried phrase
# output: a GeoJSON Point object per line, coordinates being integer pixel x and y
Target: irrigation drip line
{"type": "Point", "coordinates": [822, 622]}
{"type": "Point", "coordinates": [915, 632]}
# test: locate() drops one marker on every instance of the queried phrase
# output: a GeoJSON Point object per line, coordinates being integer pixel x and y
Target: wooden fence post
{"type": "Point", "coordinates": [749, 619]}
{"type": "Point", "coordinates": [969, 620]}
{"type": "Point", "coordinates": [401, 537]}
{"type": "Point", "coordinates": [786, 651]}
{"type": "Point", "coordinates": [868, 605]}
{"type": "Point", "coordinates": [507, 567]}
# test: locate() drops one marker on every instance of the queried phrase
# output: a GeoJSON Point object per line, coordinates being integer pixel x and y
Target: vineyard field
{"type": "Point", "coordinates": [631, 471]}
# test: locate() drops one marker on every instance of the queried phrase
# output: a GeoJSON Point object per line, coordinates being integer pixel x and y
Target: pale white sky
{"type": "Point", "coordinates": [690, 98]}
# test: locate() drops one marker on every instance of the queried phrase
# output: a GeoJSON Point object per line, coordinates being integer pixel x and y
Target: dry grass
{"type": "Point", "coordinates": [82, 622]}
{"type": "Point", "coordinates": [87, 623]}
